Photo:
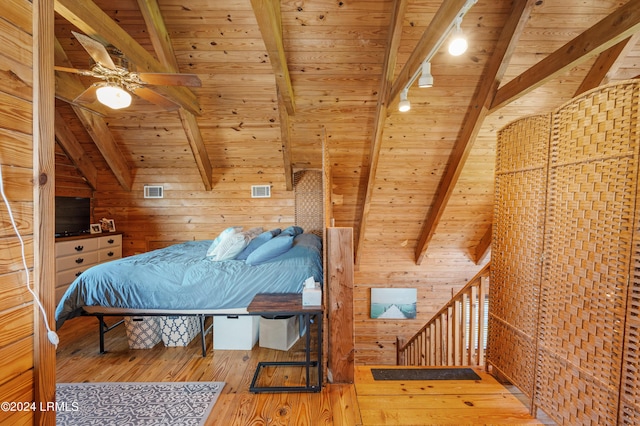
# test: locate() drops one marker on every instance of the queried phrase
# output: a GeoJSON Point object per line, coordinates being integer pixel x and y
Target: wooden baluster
{"type": "Point", "coordinates": [482, 294]}
{"type": "Point", "coordinates": [473, 324]}
{"type": "Point", "coordinates": [457, 338]}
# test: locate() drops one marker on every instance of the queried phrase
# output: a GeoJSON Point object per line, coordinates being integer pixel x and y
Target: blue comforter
{"type": "Point", "coordinates": [181, 277]}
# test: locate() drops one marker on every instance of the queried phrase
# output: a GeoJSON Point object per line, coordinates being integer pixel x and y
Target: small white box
{"type": "Point", "coordinates": [279, 333]}
{"type": "Point", "coordinates": [142, 332]}
{"type": "Point", "coordinates": [312, 296]}
{"type": "Point", "coordinates": [235, 332]}
{"type": "Point", "coordinates": [179, 330]}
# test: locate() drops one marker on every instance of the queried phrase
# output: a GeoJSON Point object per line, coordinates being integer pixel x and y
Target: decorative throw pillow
{"type": "Point", "coordinates": [292, 230]}
{"type": "Point", "coordinates": [271, 249]}
{"type": "Point", "coordinates": [224, 234]}
{"type": "Point", "coordinates": [254, 244]}
{"type": "Point", "coordinates": [232, 245]}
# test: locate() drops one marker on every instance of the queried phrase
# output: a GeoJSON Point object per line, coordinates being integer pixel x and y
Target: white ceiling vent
{"type": "Point", "coordinates": [260, 191]}
{"type": "Point", "coordinates": [153, 191]}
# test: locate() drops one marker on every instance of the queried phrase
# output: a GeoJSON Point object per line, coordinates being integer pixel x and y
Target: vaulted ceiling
{"type": "Point", "coordinates": [283, 80]}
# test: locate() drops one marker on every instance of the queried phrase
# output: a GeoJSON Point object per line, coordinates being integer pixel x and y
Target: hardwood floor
{"type": "Point", "coordinates": [368, 402]}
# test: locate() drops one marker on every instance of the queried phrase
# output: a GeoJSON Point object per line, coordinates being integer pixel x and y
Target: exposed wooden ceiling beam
{"type": "Point", "coordinates": [91, 20]}
{"type": "Point", "coordinates": [269, 19]}
{"type": "Point", "coordinates": [391, 56]}
{"type": "Point", "coordinates": [78, 156]}
{"type": "Point", "coordinates": [285, 137]}
{"type": "Point", "coordinates": [476, 113]}
{"type": "Point", "coordinates": [101, 135]}
{"type": "Point", "coordinates": [164, 50]}
{"type": "Point", "coordinates": [98, 130]}
{"type": "Point", "coordinates": [619, 25]}
{"type": "Point", "coordinates": [483, 248]}
{"type": "Point", "coordinates": [607, 63]}
{"type": "Point", "coordinates": [270, 22]}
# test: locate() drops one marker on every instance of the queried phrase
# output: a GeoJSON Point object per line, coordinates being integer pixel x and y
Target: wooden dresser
{"type": "Point", "coordinates": [74, 255]}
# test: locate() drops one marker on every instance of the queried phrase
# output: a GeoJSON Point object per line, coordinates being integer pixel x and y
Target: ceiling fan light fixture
{"type": "Point", "coordinates": [113, 96]}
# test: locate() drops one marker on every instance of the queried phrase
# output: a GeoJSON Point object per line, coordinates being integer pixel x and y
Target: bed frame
{"type": "Point", "coordinates": [105, 328]}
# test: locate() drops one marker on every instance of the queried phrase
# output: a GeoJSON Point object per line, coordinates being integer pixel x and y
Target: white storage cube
{"type": "Point", "coordinates": [179, 330]}
{"type": "Point", "coordinates": [235, 332]}
{"type": "Point", "coordinates": [142, 332]}
{"type": "Point", "coordinates": [279, 333]}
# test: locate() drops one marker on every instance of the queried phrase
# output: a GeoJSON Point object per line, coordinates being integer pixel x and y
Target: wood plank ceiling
{"type": "Point", "coordinates": [282, 78]}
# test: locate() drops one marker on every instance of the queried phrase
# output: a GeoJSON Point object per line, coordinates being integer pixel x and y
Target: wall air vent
{"type": "Point", "coordinates": [260, 191]}
{"type": "Point", "coordinates": [153, 191]}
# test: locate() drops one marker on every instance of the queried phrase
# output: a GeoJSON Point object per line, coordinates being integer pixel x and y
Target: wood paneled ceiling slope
{"type": "Point", "coordinates": [281, 79]}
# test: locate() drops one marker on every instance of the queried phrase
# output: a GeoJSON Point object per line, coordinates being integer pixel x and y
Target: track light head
{"type": "Point", "coordinates": [426, 79]}
{"type": "Point", "coordinates": [404, 104]}
{"type": "Point", "coordinates": [458, 44]}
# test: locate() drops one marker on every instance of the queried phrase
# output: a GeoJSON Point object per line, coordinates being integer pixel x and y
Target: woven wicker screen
{"type": "Point", "coordinates": [309, 201]}
{"type": "Point", "coordinates": [588, 333]}
{"type": "Point", "coordinates": [521, 180]}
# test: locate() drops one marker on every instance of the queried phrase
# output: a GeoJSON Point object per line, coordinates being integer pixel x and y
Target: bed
{"type": "Point", "coordinates": [190, 279]}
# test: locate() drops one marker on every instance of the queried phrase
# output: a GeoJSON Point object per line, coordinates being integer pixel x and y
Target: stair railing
{"type": "Point", "coordinates": [457, 334]}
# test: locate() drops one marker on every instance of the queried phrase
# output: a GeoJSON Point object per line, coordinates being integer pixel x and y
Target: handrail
{"type": "Point", "coordinates": [456, 334]}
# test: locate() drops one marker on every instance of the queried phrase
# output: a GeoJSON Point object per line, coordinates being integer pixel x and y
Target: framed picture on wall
{"type": "Point", "coordinates": [95, 228]}
{"type": "Point", "coordinates": [394, 303]}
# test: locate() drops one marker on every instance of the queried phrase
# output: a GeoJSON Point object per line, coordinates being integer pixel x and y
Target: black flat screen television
{"type": "Point", "coordinates": [73, 216]}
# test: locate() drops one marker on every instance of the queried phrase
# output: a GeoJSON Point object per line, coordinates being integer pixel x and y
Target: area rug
{"type": "Point", "coordinates": [424, 374]}
{"type": "Point", "coordinates": [132, 403]}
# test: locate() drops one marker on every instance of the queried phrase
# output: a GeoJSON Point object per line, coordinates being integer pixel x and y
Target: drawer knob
{"type": "Point", "coordinates": [79, 260]}
{"type": "Point", "coordinates": [79, 248]}
{"type": "Point", "coordinates": [111, 241]}
{"type": "Point", "coordinates": [78, 273]}
{"type": "Point", "coordinates": [110, 254]}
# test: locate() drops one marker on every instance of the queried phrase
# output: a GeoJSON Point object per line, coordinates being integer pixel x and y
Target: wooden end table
{"type": "Point", "coordinates": [283, 304]}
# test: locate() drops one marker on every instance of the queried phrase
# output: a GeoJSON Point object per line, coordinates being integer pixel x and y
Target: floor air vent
{"type": "Point", "coordinates": [153, 191]}
{"type": "Point", "coordinates": [260, 191]}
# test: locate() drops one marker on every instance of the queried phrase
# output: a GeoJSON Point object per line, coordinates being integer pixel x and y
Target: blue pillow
{"type": "Point", "coordinates": [276, 232]}
{"type": "Point", "coordinates": [254, 244]}
{"type": "Point", "coordinates": [292, 230]}
{"type": "Point", "coordinates": [272, 248]}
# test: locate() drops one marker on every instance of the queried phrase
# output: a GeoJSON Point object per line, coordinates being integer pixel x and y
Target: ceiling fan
{"type": "Point", "coordinates": [118, 81]}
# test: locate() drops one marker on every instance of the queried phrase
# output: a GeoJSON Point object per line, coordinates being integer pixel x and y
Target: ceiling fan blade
{"type": "Point", "coordinates": [156, 98]}
{"type": "Point", "coordinates": [169, 79]}
{"type": "Point", "coordinates": [96, 50]}
{"type": "Point", "coordinates": [67, 69]}
{"type": "Point", "coordinates": [88, 96]}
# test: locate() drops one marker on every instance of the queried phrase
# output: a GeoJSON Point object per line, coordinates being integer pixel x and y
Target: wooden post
{"type": "Point", "coordinates": [339, 275]}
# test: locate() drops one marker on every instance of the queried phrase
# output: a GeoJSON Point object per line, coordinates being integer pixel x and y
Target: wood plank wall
{"type": "Point", "coordinates": [16, 160]}
{"type": "Point", "coordinates": [384, 268]}
{"type": "Point", "coordinates": [187, 211]}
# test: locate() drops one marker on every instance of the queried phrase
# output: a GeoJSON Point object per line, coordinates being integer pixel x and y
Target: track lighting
{"type": "Point", "coordinates": [426, 79]}
{"type": "Point", "coordinates": [457, 47]}
{"type": "Point", "coordinates": [404, 104]}
{"type": "Point", "coordinates": [113, 96]}
{"type": "Point", "coordinates": [458, 44]}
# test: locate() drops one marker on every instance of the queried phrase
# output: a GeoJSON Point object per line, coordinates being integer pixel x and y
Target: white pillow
{"type": "Point", "coordinates": [221, 237]}
{"type": "Point", "coordinates": [232, 245]}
